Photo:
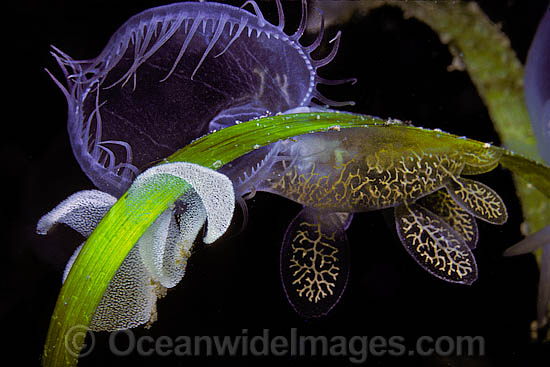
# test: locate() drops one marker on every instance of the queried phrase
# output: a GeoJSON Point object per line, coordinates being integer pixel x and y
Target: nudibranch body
{"type": "Point", "coordinates": [355, 170]}
{"type": "Point", "coordinates": [370, 169]}
{"type": "Point", "coordinates": [172, 74]}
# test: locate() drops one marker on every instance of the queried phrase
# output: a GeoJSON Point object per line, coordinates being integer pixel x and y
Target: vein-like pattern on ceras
{"type": "Point", "coordinates": [442, 204]}
{"type": "Point", "coordinates": [320, 283]}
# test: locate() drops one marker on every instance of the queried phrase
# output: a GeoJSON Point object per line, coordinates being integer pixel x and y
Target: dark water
{"type": "Point", "coordinates": [234, 284]}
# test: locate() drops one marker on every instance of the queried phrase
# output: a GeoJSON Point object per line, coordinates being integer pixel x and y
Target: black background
{"type": "Point", "coordinates": [402, 70]}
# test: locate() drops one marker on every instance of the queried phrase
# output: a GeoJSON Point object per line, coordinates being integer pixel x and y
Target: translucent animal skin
{"type": "Point", "coordinates": [173, 73]}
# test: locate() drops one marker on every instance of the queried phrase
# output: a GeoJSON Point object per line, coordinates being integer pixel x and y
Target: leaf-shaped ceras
{"type": "Point", "coordinates": [159, 258]}
{"type": "Point", "coordinates": [314, 262]}
{"type": "Point", "coordinates": [478, 199]}
{"type": "Point", "coordinates": [434, 244]}
{"type": "Point", "coordinates": [356, 170]}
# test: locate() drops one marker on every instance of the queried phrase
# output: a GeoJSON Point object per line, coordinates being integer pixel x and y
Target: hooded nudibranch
{"type": "Point", "coordinates": [173, 73]}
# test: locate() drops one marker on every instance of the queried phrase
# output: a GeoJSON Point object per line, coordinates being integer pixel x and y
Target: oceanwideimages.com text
{"type": "Point", "coordinates": [260, 344]}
